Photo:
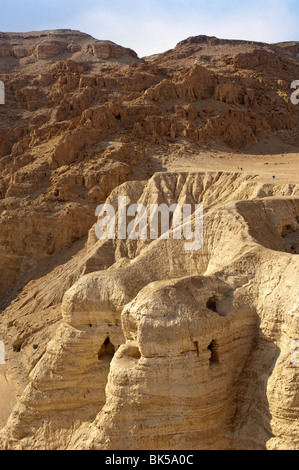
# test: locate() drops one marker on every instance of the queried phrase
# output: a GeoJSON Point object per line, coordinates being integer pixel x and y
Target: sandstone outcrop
{"type": "Point", "coordinates": [164, 357]}
{"type": "Point", "coordinates": [108, 50]}
{"type": "Point", "coordinates": [140, 344]}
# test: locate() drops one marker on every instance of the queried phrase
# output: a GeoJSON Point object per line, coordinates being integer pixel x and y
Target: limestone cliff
{"type": "Point", "coordinates": [141, 344]}
{"type": "Point", "coordinates": [187, 352]}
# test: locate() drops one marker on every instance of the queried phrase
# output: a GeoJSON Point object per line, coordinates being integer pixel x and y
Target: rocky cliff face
{"type": "Point", "coordinates": [140, 344]}
{"type": "Point", "coordinates": [83, 116]}
{"type": "Point", "coordinates": [187, 353]}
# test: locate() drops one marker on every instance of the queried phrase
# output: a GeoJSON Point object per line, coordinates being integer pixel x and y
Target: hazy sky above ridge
{"type": "Point", "coordinates": [155, 26]}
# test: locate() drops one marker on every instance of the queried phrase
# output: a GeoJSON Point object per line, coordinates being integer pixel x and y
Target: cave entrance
{"type": "Point", "coordinates": [213, 348]}
{"type": "Point", "coordinates": [212, 304]}
{"type": "Point", "coordinates": [106, 351]}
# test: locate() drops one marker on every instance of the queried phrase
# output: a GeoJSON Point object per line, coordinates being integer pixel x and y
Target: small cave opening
{"type": "Point", "coordinates": [107, 350]}
{"type": "Point", "coordinates": [214, 358]}
{"type": "Point", "coordinates": [118, 117]}
{"type": "Point", "coordinates": [212, 304]}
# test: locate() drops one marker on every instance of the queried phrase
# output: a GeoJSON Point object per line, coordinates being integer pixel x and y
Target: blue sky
{"type": "Point", "coordinates": [154, 26]}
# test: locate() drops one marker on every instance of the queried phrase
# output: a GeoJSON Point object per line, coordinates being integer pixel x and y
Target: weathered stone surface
{"type": "Point", "coordinates": [187, 334]}
{"type": "Point", "coordinates": [126, 344]}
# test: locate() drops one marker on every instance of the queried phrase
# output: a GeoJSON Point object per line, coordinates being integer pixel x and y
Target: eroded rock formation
{"type": "Point", "coordinates": [82, 116]}
{"type": "Point", "coordinates": [198, 345]}
{"type": "Point", "coordinates": [140, 344]}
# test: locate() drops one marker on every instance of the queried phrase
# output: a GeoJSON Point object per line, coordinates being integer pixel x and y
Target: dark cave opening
{"type": "Point", "coordinates": [107, 350]}
{"type": "Point", "coordinates": [212, 304]}
{"type": "Point", "coordinates": [214, 358]}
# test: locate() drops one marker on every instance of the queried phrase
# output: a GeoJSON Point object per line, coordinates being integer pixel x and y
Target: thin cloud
{"type": "Point", "coordinates": [152, 27]}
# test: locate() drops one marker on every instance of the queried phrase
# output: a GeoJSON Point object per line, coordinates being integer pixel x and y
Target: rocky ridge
{"type": "Point", "coordinates": [202, 323]}
{"type": "Point", "coordinates": [171, 349]}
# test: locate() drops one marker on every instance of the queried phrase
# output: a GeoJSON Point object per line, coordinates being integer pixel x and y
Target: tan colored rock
{"type": "Point", "coordinates": [229, 93]}
{"type": "Point", "coordinates": [21, 52]}
{"type": "Point", "coordinates": [5, 145]}
{"type": "Point", "coordinates": [48, 49]}
{"type": "Point", "coordinates": [194, 84]}
{"type": "Point", "coordinates": [91, 327]}
{"type": "Point", "coordinates": [5, 51]}
{"type": "Point", "coordinates": [108, 50]}
{"type": "Point", "coordinates": [201, 316]}
{"type": "Point", "coordinates": [258, 58]}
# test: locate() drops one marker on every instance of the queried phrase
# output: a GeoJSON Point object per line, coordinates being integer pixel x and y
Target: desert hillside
{"type": "Point", "coordinates": [142, 344]}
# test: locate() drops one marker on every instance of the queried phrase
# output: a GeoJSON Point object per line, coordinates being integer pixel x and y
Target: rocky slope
{"type": "Point", "coordinates": [198, 340]}
{"type": "Point", "coordinates": [83, 116]}
{"type": "Point", "coordinates": [140, 344]}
